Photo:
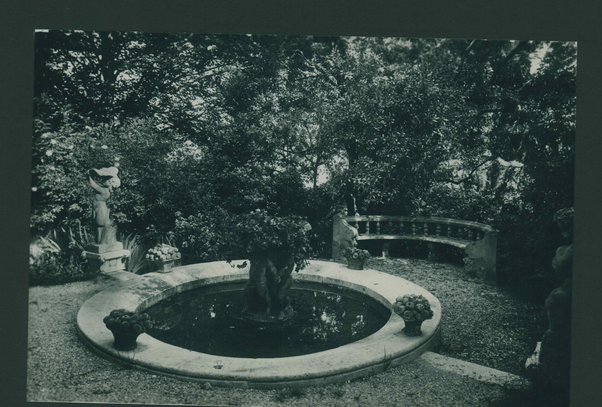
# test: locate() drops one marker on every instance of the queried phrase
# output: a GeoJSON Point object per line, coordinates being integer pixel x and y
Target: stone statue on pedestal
{"type": "Point", "coordinates": [108, 253]}
{"type": "Point", "coordinates": [343, 236]}
{"type": "Point", "coordinates": [107, 180]}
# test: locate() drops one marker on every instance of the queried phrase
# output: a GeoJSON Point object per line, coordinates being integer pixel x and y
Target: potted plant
{"type": "Point", "coordinates": [163, 257]}
{"type": "Point", "coordinates": [126, 326]}
{"type": "Point", "coordinates": [414, 309]}
{"type": "Point", "coordinates": [356, 258]}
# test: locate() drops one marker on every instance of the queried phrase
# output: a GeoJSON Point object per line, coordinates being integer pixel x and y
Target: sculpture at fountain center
{"type": "Point", "coordinates": [275, 246]}
{"type": "Point", "coordinates": [266, 293]}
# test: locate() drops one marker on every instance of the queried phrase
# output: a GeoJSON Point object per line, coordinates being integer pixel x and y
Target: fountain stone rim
{"type": "Point", "coordinates": [385, 348]}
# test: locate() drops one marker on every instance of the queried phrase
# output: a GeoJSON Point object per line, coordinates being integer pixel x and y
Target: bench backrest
{"type": "Point", "coordinates": [381, 225]}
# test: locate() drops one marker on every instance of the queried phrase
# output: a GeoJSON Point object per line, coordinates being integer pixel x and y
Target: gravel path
{"type": "Point", "coordinates": [480, 323]}
{"type": "Point", "coordinates": [492, 329]}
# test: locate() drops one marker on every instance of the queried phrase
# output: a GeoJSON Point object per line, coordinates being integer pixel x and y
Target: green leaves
{"type": "Point", "coordinates": [211, 124]}
{"type": "Point", "coordinates": [258, 233]}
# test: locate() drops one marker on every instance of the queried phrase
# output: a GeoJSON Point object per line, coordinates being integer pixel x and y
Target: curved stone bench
{"type": "Point", "coordinates": [477, 240]}
{"type": "Point", "coordinates": [384, 348]}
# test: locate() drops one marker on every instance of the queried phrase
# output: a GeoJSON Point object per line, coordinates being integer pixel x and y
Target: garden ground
{"type": "Point", "coordinates": [480, 324]}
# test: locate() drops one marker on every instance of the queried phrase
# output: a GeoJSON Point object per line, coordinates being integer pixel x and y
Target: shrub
{"type": "Point", "coordinates": [202, 237]}
{"type": "Point", "coordinates": [320, 206]}
{"type": "Point", "coordinates": [58, 268]}
{"type": "Point", "coordinates": [57, 257]}
{"type": "Point", "coordinates": [61, 159]}
{"type": "Point", "coordinates": [136, 262]}
{"type": "Point", "coordinates": [258, 233]}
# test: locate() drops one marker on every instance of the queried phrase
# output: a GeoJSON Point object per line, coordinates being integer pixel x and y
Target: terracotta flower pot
{"type": "Point", "coordinates": [412, 328]}
{"type": "Point", "coordinates": [124, 340]}
{"type": "Point", "coordinates": [356, 264]}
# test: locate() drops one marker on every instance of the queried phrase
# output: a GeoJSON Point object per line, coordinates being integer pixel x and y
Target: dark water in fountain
{"type": "Point", "coordinates": [209, 320]}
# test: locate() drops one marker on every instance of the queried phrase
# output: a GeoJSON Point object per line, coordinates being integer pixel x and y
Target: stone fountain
{"type": "Point", "coordinates": [386, 347]}
{"type": "Point", "coordinates": [275, 248]}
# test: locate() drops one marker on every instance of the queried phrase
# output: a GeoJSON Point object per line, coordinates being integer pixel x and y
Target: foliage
{"type": "Point", "coordinates": [412, 307]}
{"type": "Point", "coordinates": [320, 205]}
{"type": "Point", "coordinates": [209, 127]}
{"type": "Point", "coordinates": [135, 263]}
{"type": "Point", "coordinates": [61, 160]}
{"type": "Point", "coordinates": [57, 268]}
{"type": "Point", "coordinates": [203, 237]}
{"type": "Point", "coordinates": [57, 257]}
{"type": "Point", "coordinates": [259, 233]}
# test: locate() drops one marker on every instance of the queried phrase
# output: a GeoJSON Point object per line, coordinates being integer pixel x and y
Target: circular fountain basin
{"type": "Point", "coordinates": [386, 347]}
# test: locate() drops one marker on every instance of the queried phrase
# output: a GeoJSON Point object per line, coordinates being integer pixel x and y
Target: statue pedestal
{"type": "Point", "coordinates": [106, 257]}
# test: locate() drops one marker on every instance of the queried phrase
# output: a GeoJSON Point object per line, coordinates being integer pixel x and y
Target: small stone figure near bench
{"type": "Point", "coordinates": [107, 254]}
{"type": "Point", "coordinates": [344, 236]}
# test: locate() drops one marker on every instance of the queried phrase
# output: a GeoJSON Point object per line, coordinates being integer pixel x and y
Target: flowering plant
{"type": "Point", "coordinates": [412, 307]}
{"type": "Point", "coordinates": [162, 253]}
{"type": "Point", "coordinates": [127, 321]}
{"type": "Point", "coordinates": [356, 254]}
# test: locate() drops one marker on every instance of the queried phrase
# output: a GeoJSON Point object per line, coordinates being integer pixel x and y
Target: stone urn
{"type": "Point", "coordinates": [356, 264]}
{"type": "Point", "coordinates": [356, 258]}
{"type": "Point", "coordinates": [126, 326]}
{"type": "Point", "coordinates": [163, 257]}
{"type": "Point", "coordinates": [412, 327]}
{"type": "Point", "coordinates": [164, 266]}
{"type": "Point", "coordinates": [124, 340]}
{"type": "Point", "coordinates": [414, 309]}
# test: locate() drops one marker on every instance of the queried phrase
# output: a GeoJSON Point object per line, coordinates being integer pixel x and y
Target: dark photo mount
{"type": "Point", "coordinates": [505, 20]}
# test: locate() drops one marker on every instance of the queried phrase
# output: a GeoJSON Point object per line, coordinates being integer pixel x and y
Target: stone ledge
{"type": "Point", "coordinates": [474, 371]}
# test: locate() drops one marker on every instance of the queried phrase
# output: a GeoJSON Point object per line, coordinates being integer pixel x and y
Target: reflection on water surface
{"type": "Point", "coordinates": [208, 320]}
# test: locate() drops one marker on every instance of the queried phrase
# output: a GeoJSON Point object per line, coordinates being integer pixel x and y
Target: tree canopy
{"type": "Point", "coordinates": [203, 125]}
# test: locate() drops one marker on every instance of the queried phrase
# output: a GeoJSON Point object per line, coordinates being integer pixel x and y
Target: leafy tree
{"type": "Point", "coordinates": [210, 124]}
